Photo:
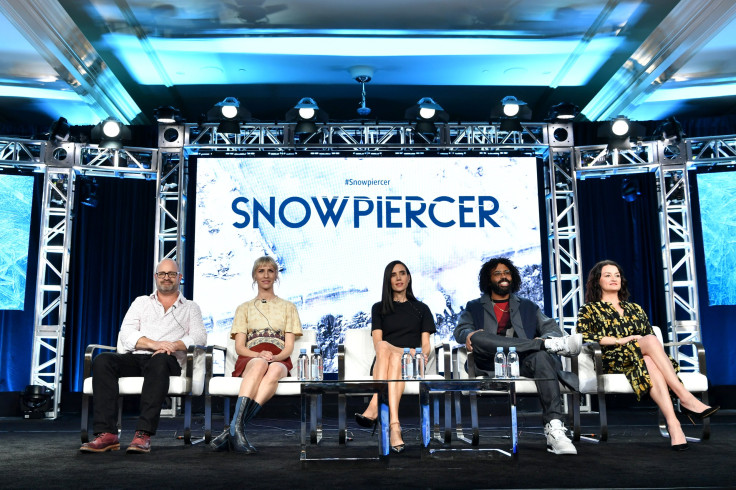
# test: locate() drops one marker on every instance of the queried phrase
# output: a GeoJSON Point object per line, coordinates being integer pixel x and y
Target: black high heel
{"type": "Point", "coordinates": [366, 422]}
{"type": "Point", "coordinates": [399, 447]}
{"type": "Point", "coordinates": [699, 415]}
{"type": "Point", "coordinates": [680, 447]}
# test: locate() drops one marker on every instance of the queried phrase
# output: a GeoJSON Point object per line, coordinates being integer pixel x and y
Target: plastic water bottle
{"type": "Point", "coordinates": [513, 362]}
{"type": "Point", "coordinates": [302, 366]}
{"type": "Point", "coordinates": [499, 363]}
{"type": "Point", "coordinates": [419, 364]}
{"type": "Point", "coordinates": [317, 365]}
{"type": "Point", "coordinates": [407, 364]}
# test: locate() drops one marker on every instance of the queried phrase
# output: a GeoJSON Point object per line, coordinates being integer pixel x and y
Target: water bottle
{"type": "Point", "coordinates": [499, 363]}
{"type": "Point", "coordinates": [513, 362]}
{"type": "Point", "coordinates": [302, 366]}
{"type": "Point", "coordinates": [317, 365]}
{"type": "Point", "coordinates": [407, 364]}
{"type": "Point", "coordinates": [419, 364]}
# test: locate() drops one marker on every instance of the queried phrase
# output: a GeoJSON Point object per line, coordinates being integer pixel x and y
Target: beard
{"type": "Point", "coordinates": [501, 290]}
{"type": "Point", "coordinates": [167, 287]}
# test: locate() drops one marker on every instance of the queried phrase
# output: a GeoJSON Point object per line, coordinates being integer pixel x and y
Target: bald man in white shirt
{"type": "Point", "coordinates": [156, 332]}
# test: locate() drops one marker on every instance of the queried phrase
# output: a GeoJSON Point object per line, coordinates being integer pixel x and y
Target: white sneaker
{"type": "Point", "coordinates": [569, 345]}
{"type": "Point", "coordinates": [557, 440]}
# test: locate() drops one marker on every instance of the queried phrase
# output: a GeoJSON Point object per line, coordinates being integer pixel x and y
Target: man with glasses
{"type": "Point", "coordinates": [155, 335]}
{"type": "Point", "coordinates": [500, 318]}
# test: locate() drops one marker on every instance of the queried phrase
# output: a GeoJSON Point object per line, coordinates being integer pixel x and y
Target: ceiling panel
{"type": "Point", "coordinates": [85, 59]}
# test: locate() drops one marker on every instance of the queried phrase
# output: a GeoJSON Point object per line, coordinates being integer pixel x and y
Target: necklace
{"type": "Point", "coordinates": [495, 305]}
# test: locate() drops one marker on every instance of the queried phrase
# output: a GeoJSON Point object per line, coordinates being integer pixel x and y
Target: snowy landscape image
{"type": "Point", "coordinates": [16, 194]}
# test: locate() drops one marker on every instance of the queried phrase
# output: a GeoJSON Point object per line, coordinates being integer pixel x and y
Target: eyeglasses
{"type": "Point", "coordinates": [170, 275]}
{"type": "Point", "coordinates": [501, 273]}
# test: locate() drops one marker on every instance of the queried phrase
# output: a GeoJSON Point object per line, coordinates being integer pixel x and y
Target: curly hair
{"type": "Point", "coordinates": [484, 276]}
{"type": "Point", "coordinates": [593, 290]}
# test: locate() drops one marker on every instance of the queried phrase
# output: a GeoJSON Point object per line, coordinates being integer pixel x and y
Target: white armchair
{"type": "Point", "coordinates": [189, 384]}
{"type": "Point", "coordinates": [593, 381]}
{"type": "Point", "coordinates": [226, 386]}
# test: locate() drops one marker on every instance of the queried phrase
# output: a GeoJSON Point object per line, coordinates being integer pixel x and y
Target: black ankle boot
{"type": "Point", "coordinates": [238, 440]}
{"type": "Point", "coordinates": [253, 409]}
{"type": "Point", "coordinates": [221, 442]}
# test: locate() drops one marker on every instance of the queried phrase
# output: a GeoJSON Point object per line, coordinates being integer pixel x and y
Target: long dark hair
{"type": "Point", "coordinates": [593, 290]}
{"type": "Point", "coordinates": [484, 276]}
{"type": "Point", "coordinates": [387, 294]}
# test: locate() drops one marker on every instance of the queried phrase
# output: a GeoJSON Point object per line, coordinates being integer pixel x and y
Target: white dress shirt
{"type": "Point", "coordinates": [146, 317]}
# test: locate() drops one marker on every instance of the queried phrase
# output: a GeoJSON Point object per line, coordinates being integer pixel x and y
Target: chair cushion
{"type": "Point", "coordinates": [134, 385]}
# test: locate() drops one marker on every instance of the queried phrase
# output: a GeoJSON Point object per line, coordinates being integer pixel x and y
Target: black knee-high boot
{"type": "Point", "coordinates": [252, 410]}
{"type": "Point", "coordinates": [238, 440]}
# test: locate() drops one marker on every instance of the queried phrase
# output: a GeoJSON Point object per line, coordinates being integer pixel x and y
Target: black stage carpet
{"type": "Point", "coordinates": [44, 454]}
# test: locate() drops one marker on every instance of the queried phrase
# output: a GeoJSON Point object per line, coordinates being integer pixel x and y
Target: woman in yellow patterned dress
{"type": "Point", "coordinates": [629, 346]}
{"type": "Point", "coordinates": [264, 329]}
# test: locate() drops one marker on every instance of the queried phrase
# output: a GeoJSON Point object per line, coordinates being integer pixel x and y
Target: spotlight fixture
{"type": "Point", "coordinates": [229, 114]}
{"type": "Point", "coordinates": [35, 401]}
{"type": "Point", "coordinates": [167, 115]}
{"type": "Point", "coordinates": [424, 114]}
{"type": "Point", "coordinates": [110, 133]}
{"type": "Point", "coordinates": [670, 132]}
{"type": "Point", "coordinates": [59, 131]}
{"type": "Point", "coordinates": [306, 113]}
{"type": "Point", "coordinates": [618, 132]}
{"type": "Point", "coordinates": [510, 113]}
{"type": "Point", "coordinates": [564, 111]}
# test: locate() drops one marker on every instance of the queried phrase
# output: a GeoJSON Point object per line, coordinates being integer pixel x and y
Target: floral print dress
{"type": "Point", "coordinates": [600, 319]}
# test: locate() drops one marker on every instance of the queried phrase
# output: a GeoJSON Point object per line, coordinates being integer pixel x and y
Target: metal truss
{"type": "Point", "coordinates": [367, 137]}
{"type": "Point", "coordinates": [678, 259]}
{"type": "Point", "coordinates": [564, 164]}
{"type": "Point", "coordinates": [51, 283]}
{"type": "Point", "coordinates": [670, 163]}
{"type": "Point", "coordinates": [563, 243]}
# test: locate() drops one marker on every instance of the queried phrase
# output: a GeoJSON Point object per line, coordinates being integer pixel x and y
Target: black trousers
{"type": "Point", "coordinates": [108, 367]}
{"type": "Point", "coordinates": [534, 362]}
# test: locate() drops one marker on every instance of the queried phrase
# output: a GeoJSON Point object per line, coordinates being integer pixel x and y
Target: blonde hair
{"type": "Point", "coordinates": [260, 262]}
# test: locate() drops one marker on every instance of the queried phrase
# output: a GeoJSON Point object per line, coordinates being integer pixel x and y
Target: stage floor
{"type": "Point", "coordinates": [44, 454]}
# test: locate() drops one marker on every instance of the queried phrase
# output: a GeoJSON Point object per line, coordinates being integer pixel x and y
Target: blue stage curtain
{"type": "Point", "coordinates": [111, 264]}
{"type": "Point", "coordinates": [16, 327]}
{"type": "Point", "coordinates": [626, 232]}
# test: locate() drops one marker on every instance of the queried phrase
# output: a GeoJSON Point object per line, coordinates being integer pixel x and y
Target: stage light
{"type": "Point", "coordinates": [229, 114]}
{"type": "Point", "coordinates": [167, 115]}
{"type": "Point", "coordinates": [620, 126]}
{"type": "Point", "coordinates": [110, 133]}
{"type": "Point", "coordinates": [564, 111]}
{"type": "Point", "coordinates": [670, 132]}
{"type": "Point", "coordinates": [35, 401]}
{"type": "Point", "coordinates": [306, 113]}
{"type": "Point", "coordinates": [510, 113]}
{"type": "Point", "coordinates": [424, 114]}
{"type": "Point", "coordinates": [59, 131]}
{"type": "Point", "coordinates": [617, 133]}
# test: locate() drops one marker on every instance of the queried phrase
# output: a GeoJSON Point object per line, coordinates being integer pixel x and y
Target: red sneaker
{"type": "Point", "coordinates": [141, 443]}
{"type": "Point", "coordinates": [102, 442]}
